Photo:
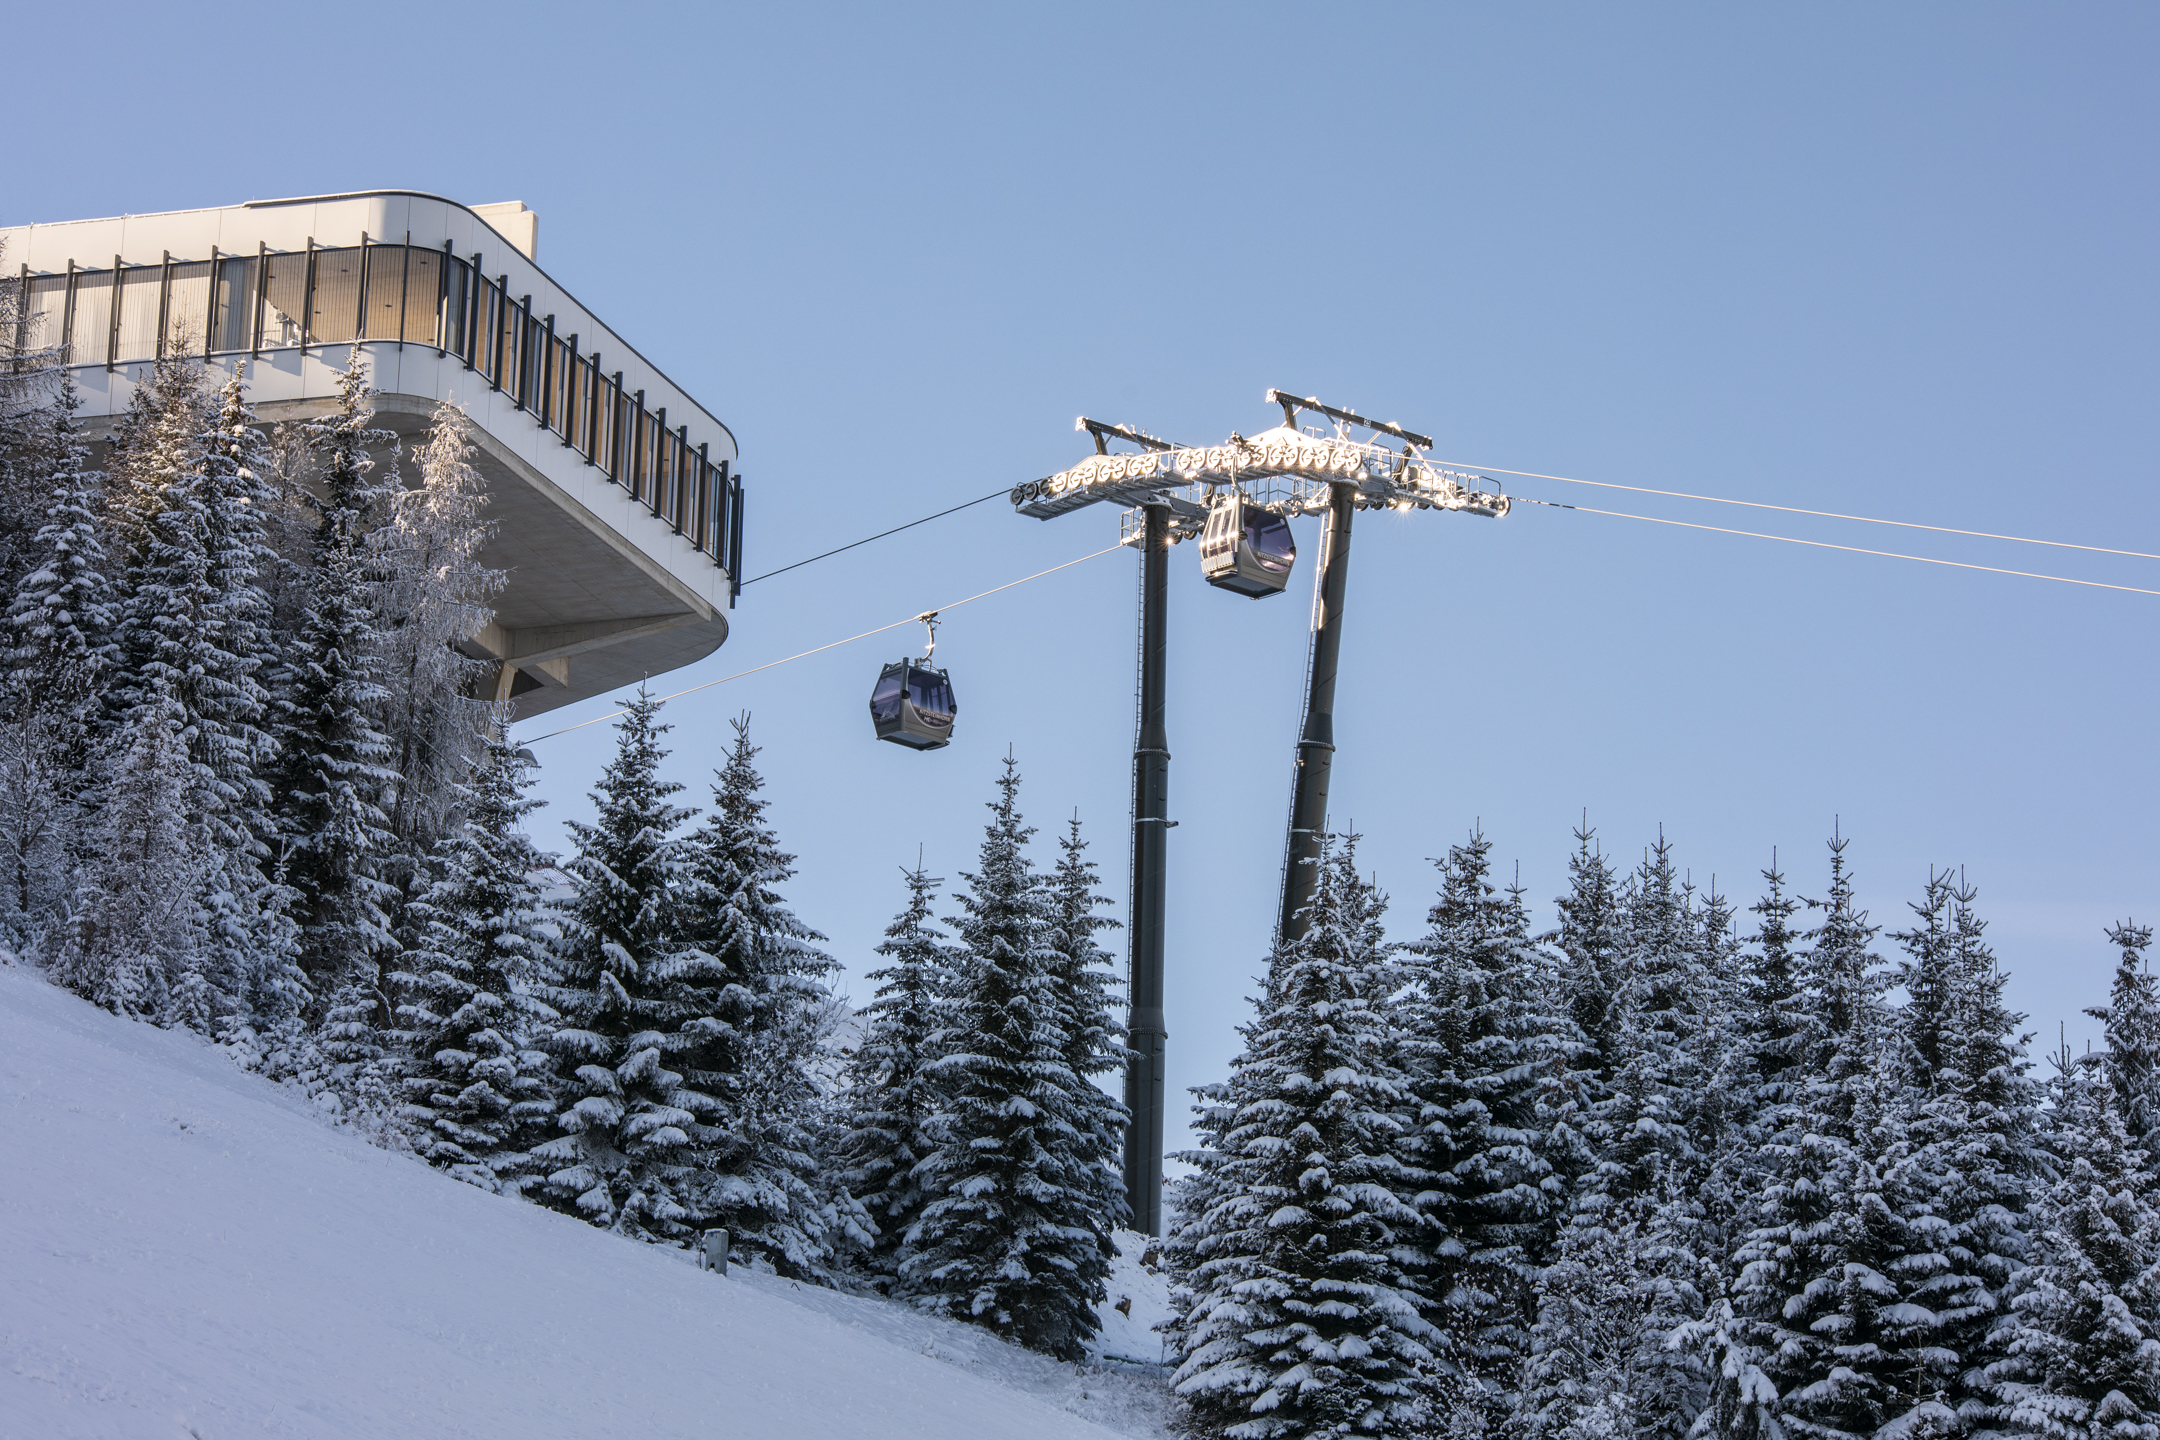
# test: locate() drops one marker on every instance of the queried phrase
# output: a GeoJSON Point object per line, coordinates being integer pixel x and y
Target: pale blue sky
{"type": "Point", "coordinates": [1892, 261]}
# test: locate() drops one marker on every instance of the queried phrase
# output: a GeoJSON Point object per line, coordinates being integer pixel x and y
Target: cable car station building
{"type": "Point", "coordinates": [615, 496]}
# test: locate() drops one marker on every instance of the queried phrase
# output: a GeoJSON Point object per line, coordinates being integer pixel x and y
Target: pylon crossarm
{"type": "Point", "coordinates": [1285, 470]}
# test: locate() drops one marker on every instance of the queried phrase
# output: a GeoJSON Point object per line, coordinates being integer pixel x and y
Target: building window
{"type": "Point", "coordinates": [286, 298]}
{"type": "Point", "coordinates": [422, 290]}
{"type": "Point", "coordinates": [187, 319]}
{"type": "Point", "coordinates": [337, 296]}
{"type": "Point", "coordinates": [93, 318]}
{"type": "Point", "coordinates": [140, 293]}
{"type": "Point", "coordinates": [232, 310]}
{"type": "Point", "coordinates": [384, 310]}
{"type": "Point", "coordinates": [45, 312]}
{"type": "Point", "coordinates": [455, 295]}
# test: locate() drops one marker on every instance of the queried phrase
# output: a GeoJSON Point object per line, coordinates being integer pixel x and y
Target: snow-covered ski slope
{"type": "Point", "coordinates": [186, 1251]}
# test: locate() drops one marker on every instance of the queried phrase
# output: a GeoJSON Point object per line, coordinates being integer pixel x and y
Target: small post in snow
{"type": "Point", "coordinates": [714, 1256]}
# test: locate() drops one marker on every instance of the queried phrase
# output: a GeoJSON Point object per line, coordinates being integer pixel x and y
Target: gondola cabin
{"type": "Point", "coordinates": [913, 705]}
{"type": "Point", "coordinates": [1246, 548]}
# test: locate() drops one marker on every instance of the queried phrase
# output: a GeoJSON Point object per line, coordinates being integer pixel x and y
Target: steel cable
{"type": "Point", "coordinates": [1824, 514]}
{"type": "Point", "coordinates": [879, 536]}
{"type": "Point", "coordinates": [1827, 545]}
{"type": "Point", "coordinates": [834, 645]}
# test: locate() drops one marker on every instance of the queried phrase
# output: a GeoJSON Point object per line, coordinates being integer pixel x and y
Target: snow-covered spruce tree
{"type": "Point", "coordinates": [335, 840]}
{"type": "Point", "coordinates": [2000, 1155]}
{"type": "Point", "coordinates": [1585, 989]}
{"type": "Point", "coordinates": [1743, 1402]}
{"type": "Point", "coordinates": [1651, 1147]}
{"type": "Point", "coordinates": [189, 635]}
{"type": "Point", "coordinates": [891, 1105]}
{"type": "Point", "coordinates": [1591, 940]}
{"type": "Point", "coordinates": [1477, 1044]}
{"type": "Point", "coordinates": [155, 442]}
{"type": "Point", "coordinates": [290, 517]}
{"type": "Point", "coordinates": [1921, 1053]}
{"type": "Point", "coordinates": [1722, 1111]}
{"type": "Point", "coordinates": [748, 985]}
{"type": "Point", "coordinates": [226, 697]}
{"type": "Point", "coordinates": [167, 633]}
{"type": "Point", "coordinates": [62, 613]}
{"type": "Point", "coordinates": [1760, 1075]}
{"type": "Point", "coordinates": [155, 449]}
{"type": "Point", "coordinates": [132, 930]}
{"type": "Point", "coordinates": [29, 375]}
{"type": "Point", "coordinates": [1650, 1127]}
{"type": "Point", "coordinates": [1845, 982]}
{"type": "Point", "coordinates": [478, 1092]}
{"type": "Point", "coordinates": [626, 1162]}
{"type": "Point", "coordinates": [1575, 1374]}
{"type": "Point", "coordinates": [330, 772]}
{"type": "Point", "coordinates": [1826, 1280]}
{"type": "Point", "coordinates": [249, 955]}
{"type": "Point", "coordinates": [2132, 1020]}
{"type": "Point", "coordinates": [2082, 1347]}
{"type": "Point", "coordinates": [1298, 1314]}
{"type": "Point", "coordinates": [1087, 991]}
{"type": "Point", "coordinates": [355, 491]}
{"type": "Point", "coordinates": [1673, 1233]}
{"type": "Point", "coordinates": [1874, 1364]}
{"type": "Point", "coordinates": [1629, 1273]}
{"type": "Point", "coordinates": [1677, 1256]}
{"type": "Point", "coordinates": [1769, 1032]}
{"type": "Point", "coordinates": [1012, 1238]}
{"type": "Point", "coordinates": [41, 830]}
{"type": "Point", "coordinates": [1970, 1118]}
{"type": "Point", "coordinates": [1575, 1377]}
{"type": "Point", "coordinates": [60, 622]}
{"type": "Point", "coordinates": [263, 524]}
{"type": "Point", "coordinates": [432, 593]}
{"type": "Point", "coordinates": [349, 1062]}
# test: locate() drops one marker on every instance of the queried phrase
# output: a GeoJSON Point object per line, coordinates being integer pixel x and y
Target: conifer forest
{"type": "Point", "coordinates": [1685, 1164]}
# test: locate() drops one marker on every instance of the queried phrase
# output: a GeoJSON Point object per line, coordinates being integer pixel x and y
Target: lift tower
{"type": "Point", "coordinates": [1284, 471]}
{"type": "Point", "coordinates": [1316, 736]}
{"type": "Point", "coordinates": [1146, 1035]}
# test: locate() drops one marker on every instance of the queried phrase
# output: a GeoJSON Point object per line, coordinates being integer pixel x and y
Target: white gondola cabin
{"type": "Point", "coordinates": [1246, 548]}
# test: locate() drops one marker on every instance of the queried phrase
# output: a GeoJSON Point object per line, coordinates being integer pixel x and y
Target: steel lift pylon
{"type": "Point", "coordinates": [1285, 471]}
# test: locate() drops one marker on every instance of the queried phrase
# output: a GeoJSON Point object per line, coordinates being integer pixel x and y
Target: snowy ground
{"type": "Point", "coordinates": [187, 1251]}
{"type": "Point", "coordinates": [1129, 1334]}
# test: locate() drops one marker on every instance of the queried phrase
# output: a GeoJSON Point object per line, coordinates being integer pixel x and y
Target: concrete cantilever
{"type": "Point", "coordinates": [613, 493]}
